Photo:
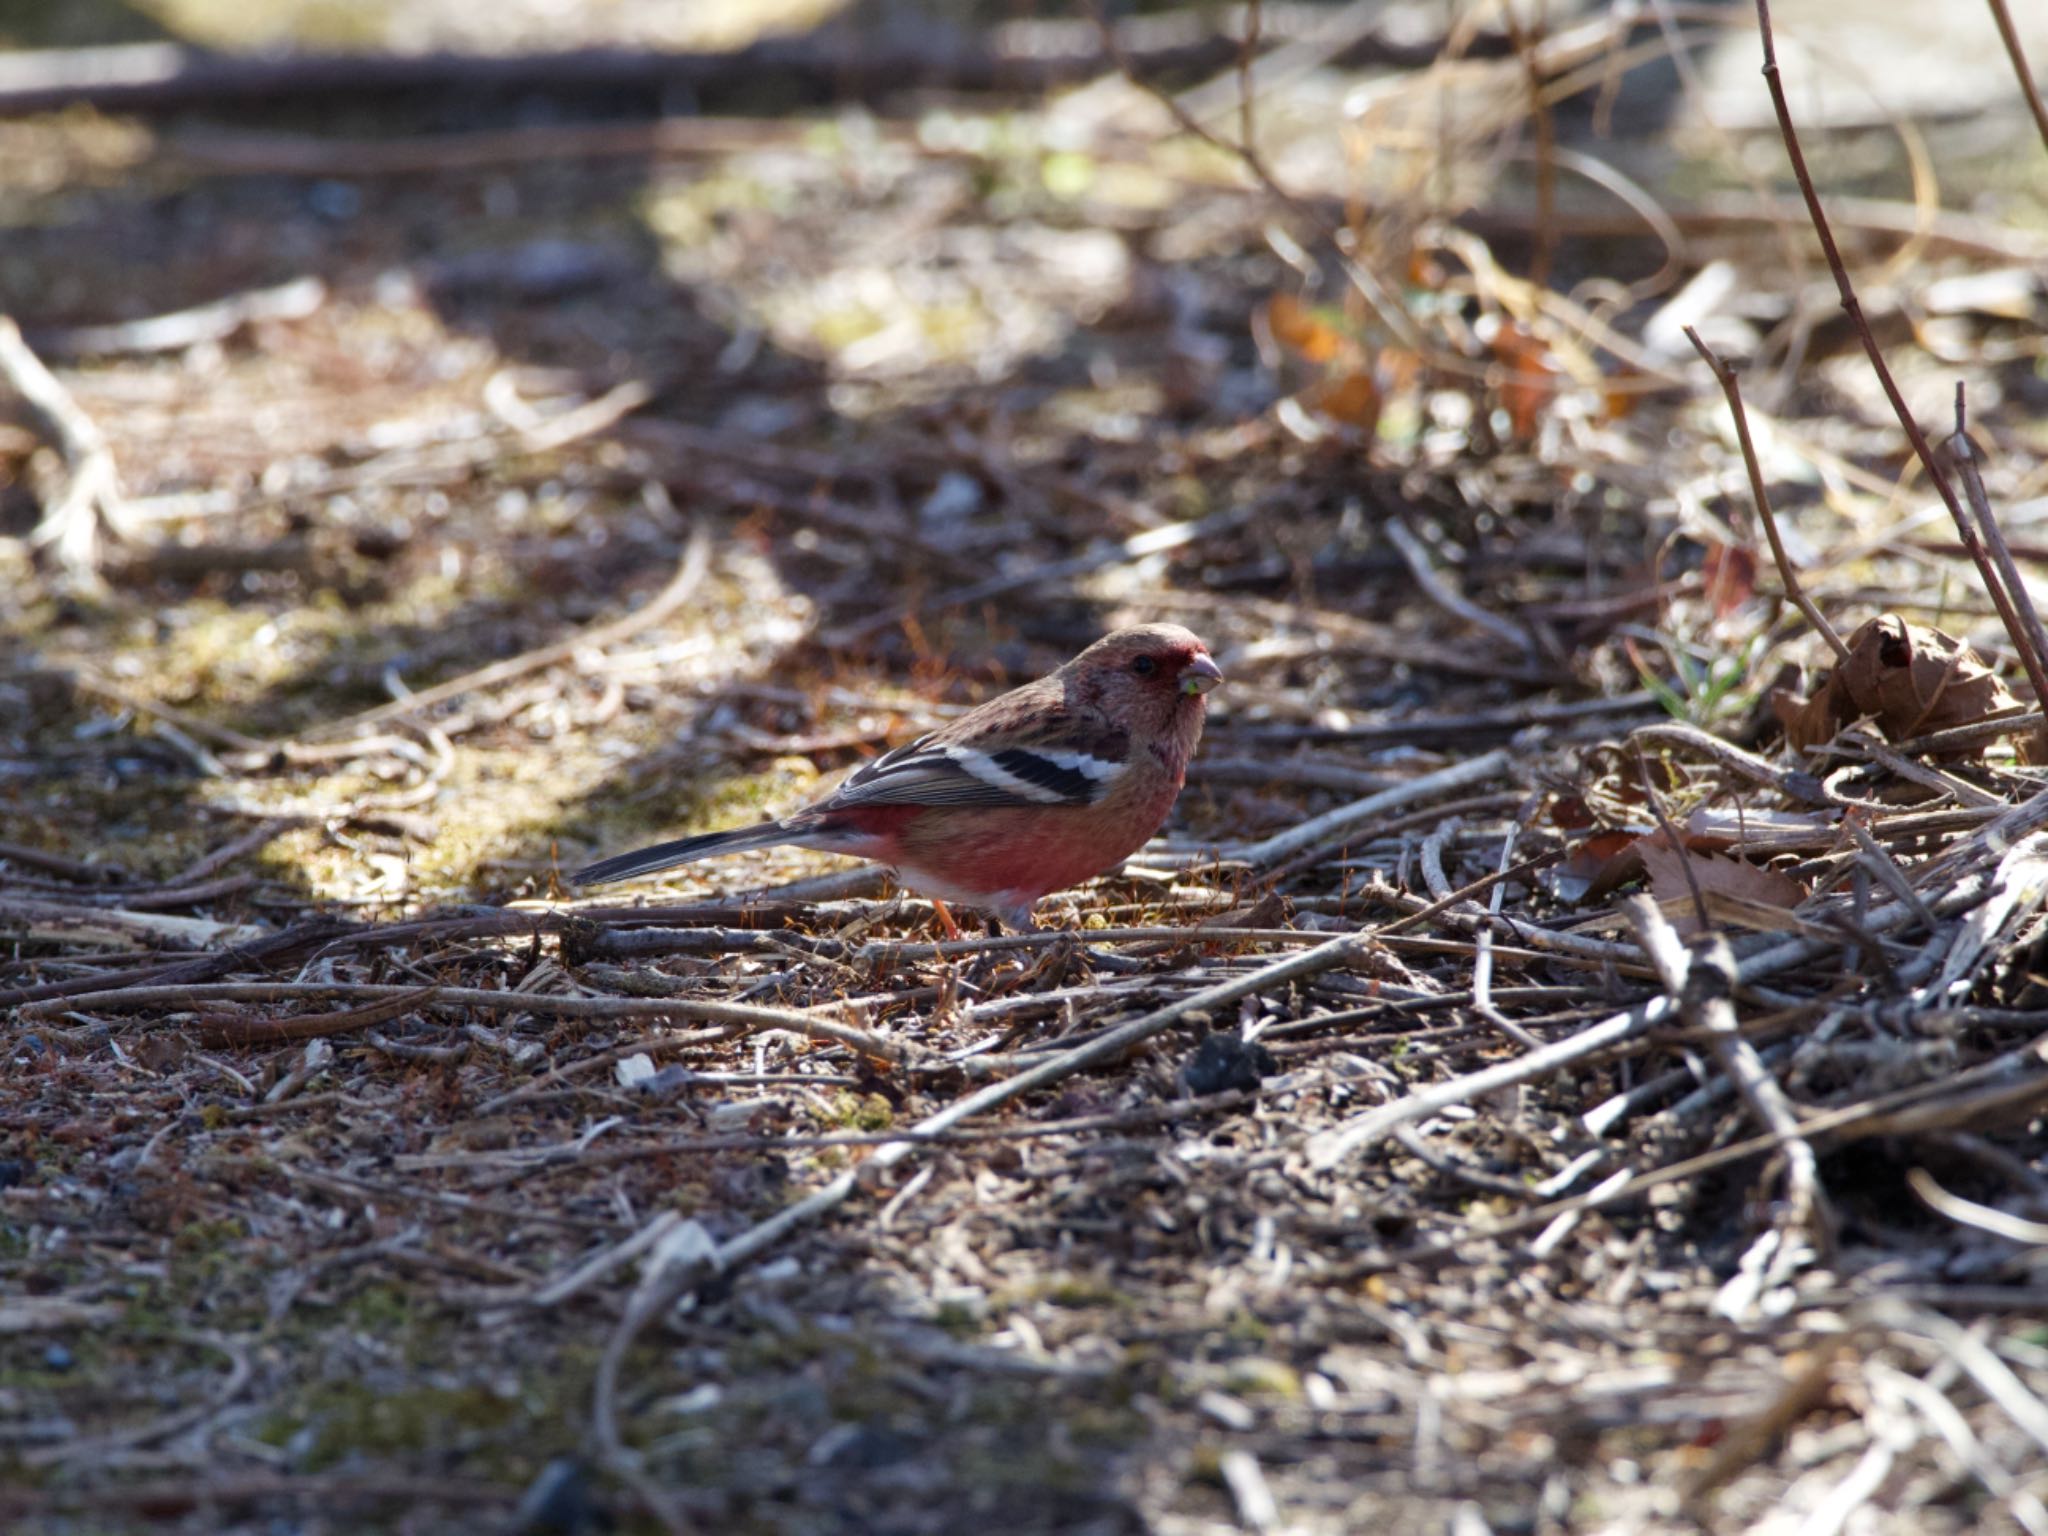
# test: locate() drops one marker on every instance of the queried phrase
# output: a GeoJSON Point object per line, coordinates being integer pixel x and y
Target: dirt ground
{"type": "Point", "coordinates": [512, 475]}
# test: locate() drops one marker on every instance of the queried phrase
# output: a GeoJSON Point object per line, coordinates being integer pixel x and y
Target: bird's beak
{"type": "Point", "coordinates": [1200, 675]}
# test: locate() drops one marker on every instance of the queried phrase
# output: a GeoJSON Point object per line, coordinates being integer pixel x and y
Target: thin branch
{"type": "Point", "coordinates": [174, 332]}
{"type": "Point", "coordinates": [89, 500]}
{"type": "Point", "coordinates": [1443, 594]}
{"type": "Point", "coordinates": [1329, 1148]}
{"type": "Point", "coordinates": [132, 999]}
{"type": "Point", "coordinates": [218, 1030]}
{"type": "Point", "coordinates": [1854, 310]}
{"type": "Point", "coordinates": [1703, 981]}
{"type": "Point", "coordinates": [1525, 43]}
{"type": "Point", "coordinates": [1283, 845]}
{"type": "Point", "coordinates": [2009, 34]}
{"type": "Point", "coordinates": [1786, 574]}
{"type": "Point", "coordinates": [1961, 452]}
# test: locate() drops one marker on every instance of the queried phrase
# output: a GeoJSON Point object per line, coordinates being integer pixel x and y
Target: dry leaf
{"type": "Point", "coordinates": [1916, 680]}
{"type": "Point", "coordinates": [1596, 866]}
{"type": "Point", "coordinates": [1735, 891]}
{"type": "Point", "coordinates": [1570, 813]}
{"type": "Point", "coordinates": [1910, 678]}
{"type": "Point", "coordinates": [1295, 325]}
{"type": "Point", "coordinates": [1807, 722]}
{"type": "Point", "coordinates": [1425, 271]}
{"type": "Point", "coordinates": [1531, 378]}
{"type": "Point", "coordinates": [1730, 575]}
{"type": "Point", "coordinates": [1618, 401]}
{"type": "Point", "coordinates": [1353, 400]}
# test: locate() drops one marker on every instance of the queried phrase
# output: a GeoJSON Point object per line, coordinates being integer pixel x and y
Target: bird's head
{"type": "Point", "coordinates": [1153, 676]}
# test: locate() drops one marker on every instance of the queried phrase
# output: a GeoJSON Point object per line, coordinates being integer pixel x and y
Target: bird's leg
{"type": "Point", "coordinates": [947, 926]}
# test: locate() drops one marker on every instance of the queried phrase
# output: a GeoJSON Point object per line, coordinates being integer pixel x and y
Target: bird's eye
{"type": "Point", "coordinates": [1144, 666]}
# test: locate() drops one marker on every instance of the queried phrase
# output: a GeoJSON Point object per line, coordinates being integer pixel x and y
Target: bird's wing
{"type": "Point", "coordinates": [1072, 768]}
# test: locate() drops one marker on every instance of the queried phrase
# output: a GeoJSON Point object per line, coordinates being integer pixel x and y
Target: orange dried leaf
{"type": "Point", "coordinates": [1295, 325]}
{"type": "Point", "coordinates": [1353, 399]}
{"type": "Point", "coordinates": [1618, 401]}
{"type": "Point", "coordinates": [1530, 381]}
{"type": "Point", "coordinates": [1425, 271]}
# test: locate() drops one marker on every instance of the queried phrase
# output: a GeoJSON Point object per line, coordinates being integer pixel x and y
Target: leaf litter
{"type": "Point", "coordinates": [1359, 1154]}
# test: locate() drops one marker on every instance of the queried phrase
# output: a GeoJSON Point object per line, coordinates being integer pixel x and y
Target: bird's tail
{"type": "Point", "coordinates": [683, 850]}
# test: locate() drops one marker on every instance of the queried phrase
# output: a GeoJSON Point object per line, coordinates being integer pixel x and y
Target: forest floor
{"type": "Point", "coordinates": [1574, 1061]}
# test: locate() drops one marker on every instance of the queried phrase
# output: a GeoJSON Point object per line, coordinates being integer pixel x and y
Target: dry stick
{"type": "Point", "coordinates": [310, 1026]}
{"type": "Point", "coordinates": [1247, 52]}
{"type": "Point", "coordinates": [197, 969]}
{"type": "Point", "coordinates": [2017, 889]}
{"type": "Point", "coordinates": [1905, 767]}
{"type": "Point", "coordinates": [1283, 845]}
{"type": "Point", "coordinates": [130, 998]}
{"type": "Point", "coordinates": [174, 332]}
{"type": "Point", "coordinates": [1878, 858]}
{"type": "Point", "coordinates": [1968, 1213]}
{"type": "Point", "coordinates": [1786, 574]}
{"type": "Point", "coordinates": [1462, 894]}
{"type": "Point", "coordinates": [75, 870]}
{"type": "Point", "coordinates": [1992, 1375]}
{"type": "Point", "coordinates": [1963, 454]}
{"type": "Point", "coordinates": [1703, 982]}
{"type": "Point", "coordinates": [1482, 962]}
{"type": "Point", "coordinates": [689, 575]}
{"type": "Point", "coordinates": [1869, 1118]}
{"type": "Point", "coordinates": [1793, 784]}
{"type": "Point", "coordinates": [1329, 1148]}
{"type": "Point", "coordinates": [1497, 800]}
{"type": "Point", "coordinates": [91, 498]}
{"type": "Point", "coordinates": [1443, 594]}
{"type": "Point", "coordinates": [1854, 310]}
{"type": "Point", "coordinates": [256, 837]}
{"type": "Point", "coordinates": [2011, 37]}
{"type": "Point", "coordinates": [1532, 941]}
{"type": "Point", "coordinates": [655, 1298]}
{"type": "Point", "coordinates": [1525, 45]}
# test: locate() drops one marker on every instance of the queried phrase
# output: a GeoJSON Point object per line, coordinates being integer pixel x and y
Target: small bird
{"type": "Point", "coordinates": [1039, 789]}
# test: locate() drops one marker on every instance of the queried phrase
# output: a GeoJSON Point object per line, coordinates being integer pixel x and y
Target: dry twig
{"type": "Point", "coordinates": [88, 503]}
